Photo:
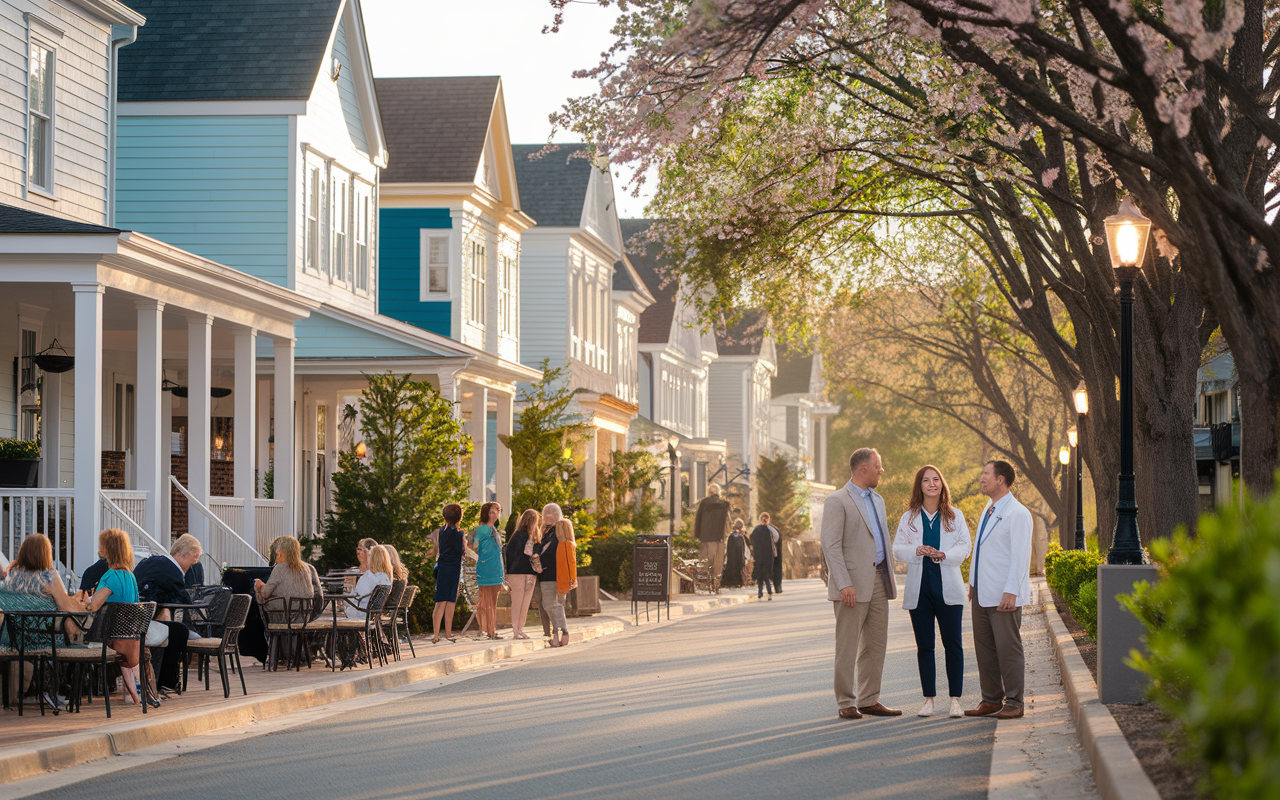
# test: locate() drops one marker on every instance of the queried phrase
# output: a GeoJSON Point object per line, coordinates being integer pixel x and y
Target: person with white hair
{"type": "Point", "coordinates": [162, 579]}
{"type": "Point", "coordinates": [550, 604]}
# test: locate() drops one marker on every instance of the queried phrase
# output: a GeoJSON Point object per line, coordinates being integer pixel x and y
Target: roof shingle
{"type": "Point", "coordinates": [655, 321]}
{"type": "Point", "coordinates": [435, 127]}
{"type": "Point", "coordinates": [553, 187]}
{"type": "Point", "coordinates": [745, 337]}
{"type": "Point", "coordinates": [228, 50]}
{"type": "Point", "coordinates": [20, 220]}
{"type": "Point", "coordinates": [795, 372]}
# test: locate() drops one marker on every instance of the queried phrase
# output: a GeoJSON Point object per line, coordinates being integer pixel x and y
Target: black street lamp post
{"type": "Point", "coordinates": [1076, 435]}
{"type": "Point", "coordinates": [1127, 232]}
{"type": "Point", "coordinates": [674, 456]}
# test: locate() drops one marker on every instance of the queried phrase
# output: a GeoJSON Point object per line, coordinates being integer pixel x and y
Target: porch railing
{"type": "Point", "coordinates": [116, 516]}
{"type": "Point", "coordinates": [230, 510]}
{"type": "Point", "coordinates": [132, 503]}
{"type": "Point", "coordinates": [24, 512]}
{"type": "Point", "coordinates": [221, 544]}
{"type": "Point", "coordinates": [268, 523]}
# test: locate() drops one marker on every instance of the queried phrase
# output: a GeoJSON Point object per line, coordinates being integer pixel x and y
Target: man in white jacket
{"type": "Point", "coordinates": [999, 586]}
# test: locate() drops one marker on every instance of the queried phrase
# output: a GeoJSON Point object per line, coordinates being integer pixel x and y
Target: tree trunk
{"type": "Point", "coordinates": [1259, 430]}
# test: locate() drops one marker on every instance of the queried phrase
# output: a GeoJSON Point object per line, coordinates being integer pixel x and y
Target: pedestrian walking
{"type": "Point", "coordinates": [566, 572]}
{"type": "Point", "coordinates": [521, 577]}
{"type": "Point", "coordinates": [736, 556]}
{"type": "Point", "coordinates": [489, 573]}
{"type": "Point", "coordinates": [450, 549]}
{"type": "Point", "coordinates": [933, 539]}
{"type": "Point", "coordinates": [860, 585]}
{"type": "Point", "coordinates": [999, 586]}
{"type": "Point", "coordinates": [710, 524]}
{"type": "Point", "coordinates": [550, 607]}
{"type": "Point", "coordinates": [762, 553]}
{"type": "Point", "coordinates": [776, 535]}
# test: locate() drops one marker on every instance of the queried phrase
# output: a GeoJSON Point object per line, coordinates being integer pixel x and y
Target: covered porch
{"type": "Point", "coordinates": [162, 376]}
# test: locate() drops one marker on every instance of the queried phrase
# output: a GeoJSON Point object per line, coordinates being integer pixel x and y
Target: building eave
{"type": "Point", "coordinates": [111, 12]}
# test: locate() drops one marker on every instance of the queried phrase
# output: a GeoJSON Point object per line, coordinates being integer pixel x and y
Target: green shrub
{"type": "Point", "coordinates": [19, 450]}
{"type": "Point", "coordinates": [1213, 641]}
{"type": "Point", "coordinates": [611, 556]}
{"type": "Point", "coordinates": [1084, 606]}
{"type": "Point", "coordinates": [1068, 570]}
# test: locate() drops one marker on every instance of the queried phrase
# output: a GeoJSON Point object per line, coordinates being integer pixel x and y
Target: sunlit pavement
{"type": "Point", "coordinates": [736, 703]}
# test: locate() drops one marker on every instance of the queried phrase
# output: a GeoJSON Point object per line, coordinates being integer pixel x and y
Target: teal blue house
{"type": "Point", "coordinates": [251, 134]}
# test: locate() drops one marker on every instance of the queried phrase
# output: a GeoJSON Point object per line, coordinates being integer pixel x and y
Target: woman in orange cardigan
{"type": "Point", "coordinates": [566, 569]}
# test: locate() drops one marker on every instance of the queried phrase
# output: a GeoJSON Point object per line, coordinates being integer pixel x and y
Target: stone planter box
{"type": "Point", "coordinates": [585, 600]}
{"type": "Point", "coordinates": [18, 473]}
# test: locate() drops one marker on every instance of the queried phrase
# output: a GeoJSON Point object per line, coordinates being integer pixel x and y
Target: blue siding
{"type": "Point", "coordinates": [347, 90]}
{"type": "Point", "coordinates": [215, 186]}
{"type": "Point", "coordinates": [321, 336]}
{"type": "Point", "coordinates": [400, 267]}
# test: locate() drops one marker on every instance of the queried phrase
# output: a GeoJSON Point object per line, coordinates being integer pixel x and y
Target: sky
{"type": "Point", "coordinates": [410, 38]}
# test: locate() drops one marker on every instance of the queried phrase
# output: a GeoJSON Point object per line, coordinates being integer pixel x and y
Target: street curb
{"type": "Point", "coordinates": [1116, 770]}
{"type": "Point", "coordinates": [25, 761]}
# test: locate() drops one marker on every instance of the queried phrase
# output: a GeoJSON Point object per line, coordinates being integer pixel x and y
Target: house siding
{"type": "Point", "coordinates": [400, 267]}
{"type": "Point", "coordinates": [347, 90]}
{"type": "Point", "coordinates": [321, 336]}
{"type": "Point", "coordinates": [727, 404]}
{"type": "Point", "coordinates": [80, 105]}
{"type": "Point", "coordinates": [544, 300]}
{"type": "Point", "coordinates": [215, 186]}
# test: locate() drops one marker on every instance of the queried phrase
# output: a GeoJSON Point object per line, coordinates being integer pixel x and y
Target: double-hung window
{"type": "Point", "coordinates": [312, 262]}
{"type": "Point", "coordinates": [362, 238]}
{"type": "Point", "coordinates": [41, 78]}
{"type": "Point", "coordinates": [477, 277]}
{"type": "Point", "coordinates": [434, 256]}
{"type": "Point", "coordinates": [341, 242]}
{"type": "Point", "coordinates": [506, 284]}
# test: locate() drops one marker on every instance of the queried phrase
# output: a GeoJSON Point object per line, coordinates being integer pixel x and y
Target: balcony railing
{"type": "Point", "coordinates": [24, 512]}
{"type": "Point", "coordinates": [221, 544]}
{"type": "Point", "coordinates": [115, 515]}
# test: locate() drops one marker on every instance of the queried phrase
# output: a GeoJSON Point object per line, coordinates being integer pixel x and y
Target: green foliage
{"type": "Point", "coordinates": [1214, 644]}
{"type": "Point", "coordinates": [624, 491]}
{"type": "Point", "coordinates": [545, 430]}
{"type": "Point", "coordinates": [1084, 606]}
{"type": "Point", "coordinates": [394, 494]}
{"type": "Point", "coordinates": [19, 450]}
{"type": "Point", "coordinates": [783, 492]}
{"type": "Point", "coordinates": [584, 531]}
{"type": "Point", "coordinates": [611, 557]}
{"type": "Point", "coordinates": [1073, 574]}
{"type": "Point", "coordinates": [269, 484]}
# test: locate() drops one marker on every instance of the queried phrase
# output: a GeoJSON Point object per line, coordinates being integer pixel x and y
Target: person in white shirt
{"type": "Point", "coordinates": [378, 574]}
{"type": "Point", "coordinates": [999, 586]}
{"type": "Point", "coordinates": [933, 539]}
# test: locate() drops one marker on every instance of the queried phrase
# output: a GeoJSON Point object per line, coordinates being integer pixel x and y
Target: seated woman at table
{"type": "Point", "coordinates": [290, 578]}
{"type": "Point", "coordinates": [399, 572]}
{"type": "Point", "coordinates": [117, 585]}
{"type": "Point", "coordinates": [32, 572]}
{"type": "Point", "coordinates": [378, 574]}
{"type": "Point", "coordinates": [363, 548]}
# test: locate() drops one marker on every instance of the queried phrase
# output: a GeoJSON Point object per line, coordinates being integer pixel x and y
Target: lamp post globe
{"type": "Point", "coordinates": [1127, 234]}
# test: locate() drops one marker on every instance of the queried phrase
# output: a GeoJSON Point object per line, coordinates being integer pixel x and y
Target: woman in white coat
{"type": "Point", "coordinates": [933, 540]}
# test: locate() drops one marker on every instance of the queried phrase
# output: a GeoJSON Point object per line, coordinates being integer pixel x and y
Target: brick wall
{"type": "Point", "coordinates": [113, 469]}
{"type": "Point", "coordinates": [177, 503]}
{"type": "Point", "coordinates": [222, 482]}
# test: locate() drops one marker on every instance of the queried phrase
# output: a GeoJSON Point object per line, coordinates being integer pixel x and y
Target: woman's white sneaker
{"type": "Point", "coordinates": [926, 710]}
{"type": "Point", "coordinates": [956, 710]}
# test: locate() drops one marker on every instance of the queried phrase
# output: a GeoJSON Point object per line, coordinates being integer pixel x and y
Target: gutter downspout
{"type": "Point", "coordinates": [121, 35]}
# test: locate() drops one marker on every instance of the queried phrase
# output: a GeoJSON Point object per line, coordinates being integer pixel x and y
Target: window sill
{"type": "Point", "coordinates": [39, 192]}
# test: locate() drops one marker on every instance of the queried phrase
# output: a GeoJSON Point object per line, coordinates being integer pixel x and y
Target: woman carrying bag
{"type": "Point", "coordinates": [933, 540]}
{"type": "Point", "coordinates": [522, 579]}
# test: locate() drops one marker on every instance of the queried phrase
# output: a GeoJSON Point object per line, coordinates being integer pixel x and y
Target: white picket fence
{"type": "Point", "coordinates": [268, 516]}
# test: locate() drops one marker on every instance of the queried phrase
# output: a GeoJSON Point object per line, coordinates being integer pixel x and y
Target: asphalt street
{"type": "Point", "coordinates": [733, 704]}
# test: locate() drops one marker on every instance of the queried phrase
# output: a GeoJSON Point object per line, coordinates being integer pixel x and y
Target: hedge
{"type": "Point", "coordinates": [1073, 574]}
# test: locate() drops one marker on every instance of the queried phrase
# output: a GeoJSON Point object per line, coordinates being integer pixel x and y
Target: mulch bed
{"type": "Point", "coordinates": [1157, 741]}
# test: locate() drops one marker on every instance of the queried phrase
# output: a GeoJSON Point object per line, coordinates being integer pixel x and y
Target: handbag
{"type": "Point", "coordinates": [157, 634]}
{"type": "Point", "coordinates": [535, 558]}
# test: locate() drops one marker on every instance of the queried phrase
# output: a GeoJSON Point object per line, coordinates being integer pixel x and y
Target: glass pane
{"type": "Point", "coordinates": [439, 279]}
{"type": "Point", "coordinates": [438, 251]}
{"type": "Point", "coordinates": [38, 77]}
{"type": "Point", "coordinates": [39, 151]}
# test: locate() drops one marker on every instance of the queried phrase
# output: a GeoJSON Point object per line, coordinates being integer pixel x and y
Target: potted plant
{"type": "Point", "coordinates": [19, 463]}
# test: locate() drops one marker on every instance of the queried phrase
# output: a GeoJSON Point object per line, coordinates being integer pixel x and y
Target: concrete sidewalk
{"type": "Point", "coordinates": [33, 744]}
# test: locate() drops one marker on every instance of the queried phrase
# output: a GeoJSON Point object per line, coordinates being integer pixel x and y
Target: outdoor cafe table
{"type": "Point", "coordinates": [198, 610]}
{"type": "Point", "coordinates": [15, 619]}
{"type": "Point", "coordinates": [348, 656]}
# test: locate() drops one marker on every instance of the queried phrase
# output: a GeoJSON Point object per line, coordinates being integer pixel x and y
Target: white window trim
{"type": "Point", "coordinates": [340, 216]}
{"type": "Point", "coordinates": [425, 294]}
{"type": "Point", "coordinates": [476, 279]}
{"type": "Point", "coordinates": [46, 41]}
{"type": "Point", "coordinates": [311, 211]}
{"type": "Point", "coordinates": [362, 190]}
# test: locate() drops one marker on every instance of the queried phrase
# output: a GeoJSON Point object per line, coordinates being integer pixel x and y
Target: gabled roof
{"type": "Point", "coordinates": [745, 337]}
{"type": "Point", "coordinates": [435, 127]}
{"type": "Point", "coordinates": [553, 187]}
{"type": "Point", "coordinates": [20, 220]}
{"type": "Point", "coordinates": [227, 50]}
{"type": "Point", "coordinates": [655, 321]}
{"type": "Point", "coordinates": [795, 373]}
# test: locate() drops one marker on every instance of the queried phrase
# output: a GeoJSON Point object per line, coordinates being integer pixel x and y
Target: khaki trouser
{"type": "Point", "coordinates": [714, 553]}
{"type": "Point", "coordinates": [862, 635]}
{"type": "Point", "coordinates": [997, 647]}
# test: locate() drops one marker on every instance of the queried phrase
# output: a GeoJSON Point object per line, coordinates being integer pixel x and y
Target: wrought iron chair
{"type": "Point", "coordinates": [402, 614]}
{"type": "Point", "coordinates": [387, 619]}
{"type": "Point", "coordinates": [226, 647]}
{"type": "Point", "coordinates": [112, 621]}
{"type": "Point", "coordinates": [367, 627]}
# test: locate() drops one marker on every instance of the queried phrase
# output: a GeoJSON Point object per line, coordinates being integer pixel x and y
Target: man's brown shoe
{"type": "Point", "coordinates": [878, 710]}
{"type": "Point", "coordinates": [984, 709]}
{"type": "Point", "coordinates": [1009, 712]}
{"type": "Point", "coordinates": [849, 713]}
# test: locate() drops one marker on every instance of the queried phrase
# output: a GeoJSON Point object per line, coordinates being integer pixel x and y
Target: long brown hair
{"type": "Point", "coordinates": [531, 523]}
{"type": "Point", "coordinates": [289, 553]}
{"type": "Point", "coordinates": [944, 498]}
{"type": "Point", "coordinates": [35, 554]}
{"type": "Point", "coordinates": [116, 548]}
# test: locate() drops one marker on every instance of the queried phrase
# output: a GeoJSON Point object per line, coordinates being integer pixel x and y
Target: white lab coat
{"type": "Point", "coordinates": [1002, 554]}
{"type": "Point", "coordinates": [955, 543]}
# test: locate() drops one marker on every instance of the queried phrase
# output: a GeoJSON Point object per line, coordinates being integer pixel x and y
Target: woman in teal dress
{"type": "Point", "coordinates": [487, 543]}
{"type": "Point", "coordinates": [117, 585]}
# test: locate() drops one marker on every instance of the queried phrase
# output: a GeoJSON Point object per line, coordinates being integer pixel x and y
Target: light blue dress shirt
{"type": "Point", "coordinates": [863, 497]}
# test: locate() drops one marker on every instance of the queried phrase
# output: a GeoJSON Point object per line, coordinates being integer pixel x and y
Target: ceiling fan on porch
{"type": "Point", "coordinates": [179, 390]}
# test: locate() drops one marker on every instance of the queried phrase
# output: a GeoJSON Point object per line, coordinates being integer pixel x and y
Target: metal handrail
{"type": "Point", "coordinates": [139, 538]}
{"type": "Point", "coordinates": [236, 551]}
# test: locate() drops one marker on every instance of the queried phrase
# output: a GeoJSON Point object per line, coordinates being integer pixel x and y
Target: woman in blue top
{"type": "Point", "coordinates": [933, 540]}
{"type": "Point", "coordinates": [450, 548]}
{"type": "Point", "coordinates": [117, 585]}
{"type": "Point", "coordinates": [489, 573]}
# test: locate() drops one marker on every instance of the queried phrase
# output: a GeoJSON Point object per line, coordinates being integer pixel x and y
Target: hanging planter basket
{"type": "Point", "coordinates": [55, 362]}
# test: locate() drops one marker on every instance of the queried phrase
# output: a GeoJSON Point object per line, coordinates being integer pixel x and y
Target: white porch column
{"type": "Point", "coordinates": [199, 408]}
{"type": "Point", "coordinates": [479, 440]}
{"type": "Point", "coordinates": [153, 441]}
{"type": "Point", "coordinates": [166, 463]}
{"type": "Point", "coordinates": [263, 433]}
{"type": "Point", "coordinates": [284, 449]}
{"type": "Point", "coordinates": [589, 469]}
{"type": "Point", "coordinates": [502, 473]}
{"type": "Point", "coordinates": [821, 450]}
{"type": "Point", "coordinates": [51, 431]}
{"type": "Point", "coordinates": [449, 390]}
{"type": "Point", "coordinates": [88, 424]}
{"type": "Point", "coordinates": [242, 430]}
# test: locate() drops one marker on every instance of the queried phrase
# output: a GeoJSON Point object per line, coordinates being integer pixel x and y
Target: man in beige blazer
{"type": "Point", "coordinates": [860, 584]}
